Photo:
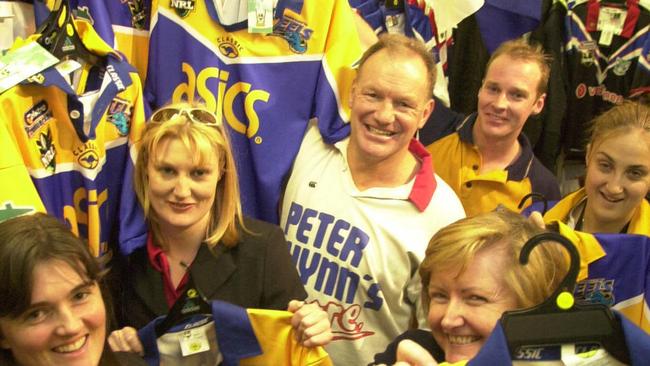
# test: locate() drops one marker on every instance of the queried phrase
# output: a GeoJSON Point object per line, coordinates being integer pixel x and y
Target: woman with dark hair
{"type": "Point", "coordinates": [51, 307]}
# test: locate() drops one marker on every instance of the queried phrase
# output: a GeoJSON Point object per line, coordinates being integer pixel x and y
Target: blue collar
{"type": "Point", "coordinates": [520, 168]}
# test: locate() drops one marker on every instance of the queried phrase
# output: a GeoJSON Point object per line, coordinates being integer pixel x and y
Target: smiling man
{"type": "Point", "coordinates": [358, 214]}
{"type": "Point", "coordinates": [486, 159]}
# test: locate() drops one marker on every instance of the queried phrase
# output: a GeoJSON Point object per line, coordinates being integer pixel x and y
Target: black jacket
{"type": "Point", "coordinates": [256, 273]}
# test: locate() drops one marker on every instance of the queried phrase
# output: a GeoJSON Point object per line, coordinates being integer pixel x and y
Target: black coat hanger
{"type": "Point", "coordinates": [532, 196]}
{"type": "Point", "coordinates": [59, 35]}
{"type": "Point", "coordinates": [556, 320]}
{"type": "Point", "coordinates": [192, 302]}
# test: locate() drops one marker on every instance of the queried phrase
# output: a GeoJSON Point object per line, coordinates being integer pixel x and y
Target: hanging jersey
{"type": "Point", "coordinates": [411, 18]}
{"type": "Point", "coordinates": [232, 335]}
{"type": "Point", "coordinates": [603, 68]}
{"type": "Point", "coordinates": [545, 133]}
{"type": "Point", "coordinates": [415, 19]}
{"type": "Point", "coordinates": [264, 87]}
{"type": "Point", "coordinates": [503, 20]}
{"type": "Point", "coordinates": [123, 25]}
{"type": "Point", "coordinates": [614, 271]}
{"type": "Point", "coordinates": [78, 144]}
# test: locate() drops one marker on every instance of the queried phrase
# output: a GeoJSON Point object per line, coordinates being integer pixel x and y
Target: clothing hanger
{"type": "Point", "coordinates": [59, 35]}
{"type": "Point", "coordinates": [532, 196]}
{"type": "Point", "coordinates": [192, 302]}
{"type": "Point", "coordinates": [557, 320]}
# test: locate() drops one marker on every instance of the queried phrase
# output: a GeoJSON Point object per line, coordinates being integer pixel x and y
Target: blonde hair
{"type": "Point", "coordinates": [620, 119]}
{"type": "Point", "coordinates": [520, 49]}
{"type": "Point", "coordinates": [202, 140]}
{"type": "Point", "coordinates": [455, 246]}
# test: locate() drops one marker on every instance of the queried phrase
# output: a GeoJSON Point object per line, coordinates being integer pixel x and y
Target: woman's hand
{"type": "Point", "coordinates": [537, 219]}
{"type": "Point", "coordinates": [125, 340]}
{"type": "Point", "coordinates": [310, 323]}
{"type": "Point", "coordinates": [410, 353]}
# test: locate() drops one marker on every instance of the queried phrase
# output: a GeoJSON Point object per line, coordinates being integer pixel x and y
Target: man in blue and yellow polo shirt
{"type": "Point", "coordinates": [485, 158]}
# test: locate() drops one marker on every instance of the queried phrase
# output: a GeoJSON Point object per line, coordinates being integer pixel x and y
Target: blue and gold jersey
{"type": "Point", "coordinates": [230, 336]}
{"type": "Point", "coordinates": [77, 145]}
{"type": "Point", "coordinates": [620, 279]}
{"type": "Point", "coordinates": [458, 161]}
{"type": "Point", "coordinates": [264, 87]}
{"type": "Point", "coordinates": [495, 350]}
{"type": "Point", "coordinates": [124, 25]}
{"type": "Point", "coordinates": [614, 268]}
{"type": "Point", "coordinates": [614, 271]}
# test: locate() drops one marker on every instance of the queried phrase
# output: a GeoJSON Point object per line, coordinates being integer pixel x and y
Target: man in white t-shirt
{"type": "Point", "coordinates": [359, 214]}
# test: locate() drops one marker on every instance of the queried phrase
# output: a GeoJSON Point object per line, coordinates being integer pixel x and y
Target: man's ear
{"type": "Point", "coordinates": [539, 104]}
{"type": "Point", "coordinates": [353, 91]}
{"type": "Point", "coordinates": [426, 112]}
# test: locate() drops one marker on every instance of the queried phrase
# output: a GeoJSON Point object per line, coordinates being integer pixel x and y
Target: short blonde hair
{"type": "Point", "coordinates": [520, 49]}
{"type": "Point", "coordinates": [397, 44]}
{"type": "Point", "coordinates": [455, 246]}
{"type": "Point", "coordinates": [203, 141]}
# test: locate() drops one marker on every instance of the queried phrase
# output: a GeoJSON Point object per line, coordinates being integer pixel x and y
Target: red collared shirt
{"type": "Point", "coordinates": [159, 262]}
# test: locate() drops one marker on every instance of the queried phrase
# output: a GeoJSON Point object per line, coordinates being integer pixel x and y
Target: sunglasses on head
{"type": "Point", "coordinates": [197, 115]}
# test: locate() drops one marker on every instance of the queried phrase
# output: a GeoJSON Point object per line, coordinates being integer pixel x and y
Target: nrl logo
{"type": "Point", "coordinates": [47, 150]}
{"type": "Point", "coordinates": [182, 7]}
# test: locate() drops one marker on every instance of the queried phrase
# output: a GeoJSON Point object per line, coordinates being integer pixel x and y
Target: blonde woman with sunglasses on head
{"type": "Point", "coordinates": [186, 181]}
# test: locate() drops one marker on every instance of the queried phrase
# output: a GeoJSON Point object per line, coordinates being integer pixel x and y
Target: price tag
{"type": "Point", "coordinates": [605, 38]}
{"type": "Point", "coordinates": [611, 21]}
{"type": "Point", "coordinates": [193, 341]}
{"type": "Point", "coordinates": [260, 16]}
{"type": "Point", "coordinates": [67, 66]}
{"type": "Point", "coordinates": [21, 63]}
